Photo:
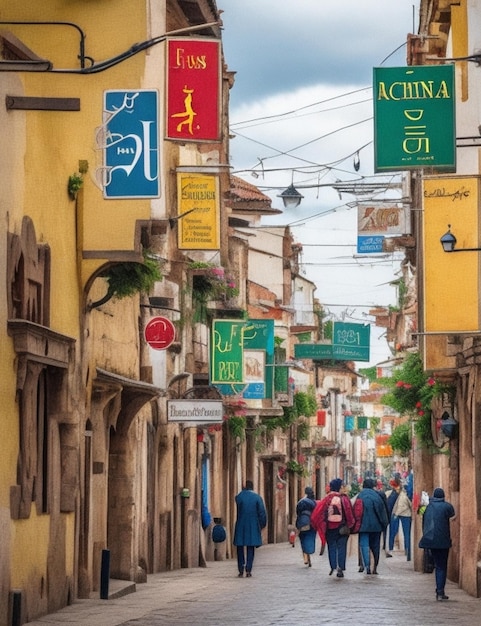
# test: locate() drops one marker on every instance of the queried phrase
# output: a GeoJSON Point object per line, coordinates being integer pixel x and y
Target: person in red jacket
{"type": "Point", "coordinates": [333, 518]}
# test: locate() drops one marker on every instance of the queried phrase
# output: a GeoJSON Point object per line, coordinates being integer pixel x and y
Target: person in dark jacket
{"type": "Point", "coordinates": [307, 534]}
{"type": "Point", "coordinates": [437, 537]}
{"type": "Point", "coordinates": [251, 519]}
{"type": "Point", "coordinates": [374, 521]}
{"type": "Point", "coordinates": [393, 529]}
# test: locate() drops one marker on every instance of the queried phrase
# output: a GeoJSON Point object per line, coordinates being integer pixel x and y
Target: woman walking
{"type": "Point", "coordinates": [307, 534]}
{"type": "Point", "coordinates": [334, 519]}
{"type": "Point", "coordinates": [437, 537]}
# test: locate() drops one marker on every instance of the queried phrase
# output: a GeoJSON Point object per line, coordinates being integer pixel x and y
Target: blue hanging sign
{"type": "Point", "coordinates": [130, 140]}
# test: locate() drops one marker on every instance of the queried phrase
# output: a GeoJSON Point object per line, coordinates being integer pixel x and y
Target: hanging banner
{"type": "Point", "coordinates": [351, 342]}
{"type": "Point", "coordinates": [414, 118]}
{"type": "Point", "coordinates": [198, 217]}
{"type": "Point", "coordinates": [258, 344]}
{"type": "Point", "coordinates": [129, 137]}
{"type": "Point", "coordinates": [227, 352]}
{"type": "Point", "coordinates": [375, 222]}
{"type": "Point", "coordinates": [193, 89]}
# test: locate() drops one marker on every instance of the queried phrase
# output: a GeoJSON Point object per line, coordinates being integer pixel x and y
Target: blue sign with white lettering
{"type": "Point", "coordinates": [370, 244]}
{"type": "Point", "coordinates": [130, 139]}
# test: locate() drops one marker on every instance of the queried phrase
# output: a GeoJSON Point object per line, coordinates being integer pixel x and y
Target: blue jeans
{"type": "Point", "coordinates": [406, 526]}
{"type": "Point", "coordinates": [393, 531]}
{"type": "Point", "coordinates": [336, 548]}
{"type": "Point", "coordinates": [405, 522]}
{"type": "Point", "coordinates": [440, 557]}
{"type": "Point", "coordinates": [370, 542]}
{"type": "Point", "coordinates": [241, 558]}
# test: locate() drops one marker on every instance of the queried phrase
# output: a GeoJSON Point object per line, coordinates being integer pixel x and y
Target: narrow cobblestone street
{"type": "Point", "coordinates": [281, 591]}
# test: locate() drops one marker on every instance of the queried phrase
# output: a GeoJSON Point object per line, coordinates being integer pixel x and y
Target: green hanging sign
{"type": "Point", "coordinates": [414, 118]}
{"type": "Point", "coordinates": [227, 352]}
{"type": "Point", "coordinates": [351, 342]}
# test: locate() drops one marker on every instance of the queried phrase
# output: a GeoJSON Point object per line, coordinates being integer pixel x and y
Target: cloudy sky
{"type": "Point", "coordinates": [301, 113]}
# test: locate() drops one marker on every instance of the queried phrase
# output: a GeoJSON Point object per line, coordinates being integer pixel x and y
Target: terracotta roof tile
{"type": "Point", "coordinates": [246, 196]}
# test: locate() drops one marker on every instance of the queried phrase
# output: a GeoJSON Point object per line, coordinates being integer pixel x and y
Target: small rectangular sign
{"type": "Point", "coordinates": [129, 137]}
{"type": "Point", "coordinates": [316, 351]}
{"type": "Point", "coordinates": [414, 118]}
{"type": "Point", "coordinates": [370, 245]}
{"type": "Point", "coordinates": [195, 411]}
{"type": "Point", "coordinates": [381, 219]}
{"type": "Point", "coordinates": [198, 202]}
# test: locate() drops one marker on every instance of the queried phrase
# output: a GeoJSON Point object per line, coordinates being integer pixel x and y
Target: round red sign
{"type": "Point", "coordinates": [159, 333]}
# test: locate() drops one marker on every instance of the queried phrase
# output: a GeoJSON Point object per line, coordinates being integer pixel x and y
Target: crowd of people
{"type": "Point", "coordinates": [374, 514]}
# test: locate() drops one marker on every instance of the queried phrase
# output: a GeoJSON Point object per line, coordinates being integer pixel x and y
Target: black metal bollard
{"type": "Point", "coordinates": [105, 575]}
{"type": "Point", "coordinates": [16, 605]}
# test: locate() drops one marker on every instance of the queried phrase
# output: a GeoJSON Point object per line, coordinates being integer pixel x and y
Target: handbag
{"type": "Point", "coordinates": [344, 530]}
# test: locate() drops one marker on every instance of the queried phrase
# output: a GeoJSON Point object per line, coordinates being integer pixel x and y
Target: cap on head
{"type": "Point", "coordinates": [309, 491]}
{"type": "Point", "coordinates": [335, 484]}
{"type": "Point", "coordinates": [368, 483]}
{"type": "Point", "coordinates": [438, 493]}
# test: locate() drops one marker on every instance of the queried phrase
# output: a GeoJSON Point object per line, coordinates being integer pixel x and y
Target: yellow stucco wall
{"type": "Point", "coordinates": [59, 140]}
{"type": "Point", "coordinates": [451, 280]}
{"type": "Point", "coordinates": [29, 553]}
{"type": "Point", "coordinates": [40, 150]}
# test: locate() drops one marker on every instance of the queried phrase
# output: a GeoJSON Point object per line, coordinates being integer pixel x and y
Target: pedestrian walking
{"type": "Point", "coordinates": [382, 493]}
{"type": "Point", "coordinates": [393, 528]}
{"type": "Point", "coordinates": [374, 521]}
{"type": "Point", "coordinates": [307, 533]}
{"type": "Point", "coordinates": [437, 537]}
{"type": "Point", "coordinates": [402, 511]}
{"type": "Point", "coordinates": [251, 519]}
{"type": "Point", "coordinates": [333, 519]}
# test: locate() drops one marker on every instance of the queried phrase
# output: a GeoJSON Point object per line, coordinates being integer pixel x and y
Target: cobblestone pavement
{"type": "Point", "coordinates": [282, 591]}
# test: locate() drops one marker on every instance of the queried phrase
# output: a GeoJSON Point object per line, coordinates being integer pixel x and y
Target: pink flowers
{"type": "Point", "coordinates": [404, 385]}
{"type": "Point", "coordinates": [235, 408]}
{"type": "Point", "coordinates": [431, 382]}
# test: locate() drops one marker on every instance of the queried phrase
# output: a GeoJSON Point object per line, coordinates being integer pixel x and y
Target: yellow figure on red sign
{"type": "Point", "coordinates": [188, 113]}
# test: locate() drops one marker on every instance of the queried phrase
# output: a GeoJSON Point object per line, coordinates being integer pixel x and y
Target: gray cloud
{"type": "Point", "coordinates": [303, 43]}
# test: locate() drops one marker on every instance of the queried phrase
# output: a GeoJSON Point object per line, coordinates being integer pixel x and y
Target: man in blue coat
{"type": "Point", "coordinates": [374, 522]}
{"type": "Point", "coordinates": [437, 537]}
{"type": "Point", "coordinates": [251, 519]}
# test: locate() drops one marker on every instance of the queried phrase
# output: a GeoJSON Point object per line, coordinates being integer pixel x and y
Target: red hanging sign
{"type": "Point", "coordinates": [193, 88]}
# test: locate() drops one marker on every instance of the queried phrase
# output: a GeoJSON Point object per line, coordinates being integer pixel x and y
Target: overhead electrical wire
{"type": "Point", "coordinates": [278, 117]}
{"type": "Point", "coordinates": [306, 106]}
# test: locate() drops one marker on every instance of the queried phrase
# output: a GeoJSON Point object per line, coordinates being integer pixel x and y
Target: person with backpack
{"type": "Point", "coordinates": [333, 519]}
{"type": "Point", "coordinates": [307, 534]}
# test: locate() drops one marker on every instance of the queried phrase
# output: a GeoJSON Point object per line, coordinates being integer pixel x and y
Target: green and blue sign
{"type": "Point", "coordinates": [350, 342]}
{"type": "Point", "coordinates": [243, 367]}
